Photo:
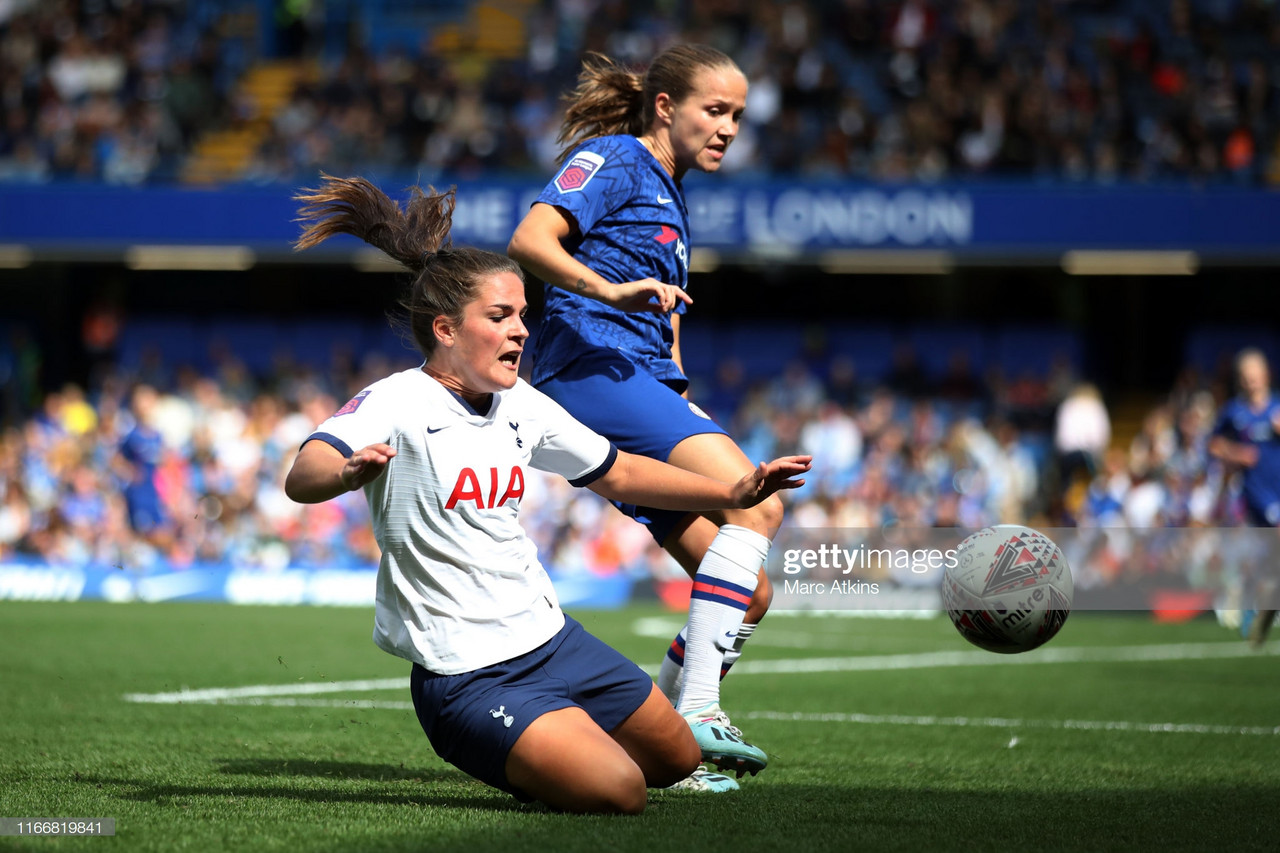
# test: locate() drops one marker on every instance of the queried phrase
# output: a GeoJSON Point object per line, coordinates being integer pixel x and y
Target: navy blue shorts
{"type": "Point", "coordinates": [638, 413]}
{"type": "Point", "coordinates": [473, 719]}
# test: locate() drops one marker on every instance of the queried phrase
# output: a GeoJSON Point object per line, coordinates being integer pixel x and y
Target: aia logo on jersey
{"type": "Point", "coordinates": [352, 404]}
{"type": "Point", "coordinates": [666, 236]}
{"type": "Point", "coordinates": [580, 169]}
{"type": "Point", "coordinates": [468, 488]}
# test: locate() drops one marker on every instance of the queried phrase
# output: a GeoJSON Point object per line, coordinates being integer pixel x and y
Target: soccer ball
{"type": "Point", "coordinates": [1009, 589]}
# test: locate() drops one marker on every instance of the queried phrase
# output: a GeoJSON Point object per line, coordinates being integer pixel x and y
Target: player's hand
{"type": "Point", "coordinates": [366, 465]}
{"type": "Point", "coordinates": [1246, 455]}
{"type": "Point", "coordinates": [648, 295]}
{"type": "Point", "coordinates": [770, 477]}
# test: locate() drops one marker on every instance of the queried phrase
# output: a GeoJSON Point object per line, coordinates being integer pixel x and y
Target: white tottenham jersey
{"type": "Point", "coordinates": [460, 586]}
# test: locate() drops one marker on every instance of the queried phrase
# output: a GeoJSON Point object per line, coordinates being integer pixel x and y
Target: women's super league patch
{"type": "Point", "coordinates": [352, 404]}
{"type": "Point", "coordinates": [580, 169]}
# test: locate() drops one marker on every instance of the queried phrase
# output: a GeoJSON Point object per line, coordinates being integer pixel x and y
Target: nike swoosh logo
{"type": "Point", "coordinates": [431, 431]}
{"type": "Point", "coordinates": [662, 200]}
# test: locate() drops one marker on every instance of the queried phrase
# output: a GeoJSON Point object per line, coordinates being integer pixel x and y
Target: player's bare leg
{"type": "Point", "coordinates": [568, 762]}
{"type": "Point", "coordinates": [658, 741]}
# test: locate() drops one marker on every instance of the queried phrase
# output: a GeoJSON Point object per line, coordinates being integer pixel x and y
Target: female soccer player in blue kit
{"type": "Point", "coordinates": [610, 237]}
{"type": "Point", "coordinates": [506, 686]}
{"type": "Point", "coordinates": [1247, 438]}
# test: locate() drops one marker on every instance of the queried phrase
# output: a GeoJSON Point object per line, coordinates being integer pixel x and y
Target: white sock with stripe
{"type": "Point", "coordinates": [671, 673]}
{"type": "Point", "coordinates": [722, 590]}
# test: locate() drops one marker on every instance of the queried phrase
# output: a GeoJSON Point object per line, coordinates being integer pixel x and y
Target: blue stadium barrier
{"type": "Point", "coordinates": [1213, 348]}
{"type": "Point", "coordinates": [870, 347]}
{"type": "Point", "coordinates": [937, 346]}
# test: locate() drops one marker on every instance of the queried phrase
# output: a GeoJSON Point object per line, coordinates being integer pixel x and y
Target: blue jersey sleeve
{"type": "Point", "coordinates": [588, 187]}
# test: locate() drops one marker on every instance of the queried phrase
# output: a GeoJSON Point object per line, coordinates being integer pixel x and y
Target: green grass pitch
{"type": "Point", "coordinates": [884, 734]}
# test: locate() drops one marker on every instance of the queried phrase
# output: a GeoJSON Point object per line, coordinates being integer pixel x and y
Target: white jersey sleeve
{"type": "Point", "coordinates": [567, 447]}
{"type": "Point", "coordinates": [367, 418]}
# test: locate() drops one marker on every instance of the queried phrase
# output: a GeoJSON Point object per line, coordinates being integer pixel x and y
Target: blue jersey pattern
{"type": "Point", "coordinates": [632, 224]}
{"type": "Point", "coordinates": [1240, 423]}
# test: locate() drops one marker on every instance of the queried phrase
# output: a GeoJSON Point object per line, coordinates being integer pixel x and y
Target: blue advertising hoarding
{"type": "Point", "coordinates": [730, 216]}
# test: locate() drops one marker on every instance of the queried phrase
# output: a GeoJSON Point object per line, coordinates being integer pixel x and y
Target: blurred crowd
{"type": "Point", "coordinates": [172, 467]}
{"type": "Point", "coordinates": [111, 91]}
{"type": "Point", "coordinates": [1087, 91]}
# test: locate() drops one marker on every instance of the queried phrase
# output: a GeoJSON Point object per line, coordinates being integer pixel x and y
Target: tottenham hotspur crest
{"type": "Point", "coordinates": [515, 426]}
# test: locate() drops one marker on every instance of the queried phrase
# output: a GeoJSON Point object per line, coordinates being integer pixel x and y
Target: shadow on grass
{"type": "Point", "coordinates": [336, 770]}
{"type": "Point", "coordinates": [1236, 816]}
{"type": "Point", "coordinates": [310, 781]}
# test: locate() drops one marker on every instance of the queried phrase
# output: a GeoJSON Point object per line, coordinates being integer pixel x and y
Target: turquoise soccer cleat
{"type": "Point", "coordinates": [722, 743]}
{"type": "Point", "coordinates": [703, 781]}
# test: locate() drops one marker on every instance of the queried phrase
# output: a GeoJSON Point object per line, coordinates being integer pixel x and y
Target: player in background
{"type": "Point", "coordinates": [609, 235]}
{"type": "Point", "coordinates": [1247, 436]}
{"type": "Point", "coordinates": [505, 685]}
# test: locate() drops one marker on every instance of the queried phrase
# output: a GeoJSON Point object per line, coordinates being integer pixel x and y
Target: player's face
{"type": "Point", "coordinates": [1255, 379]}
{"type": "Point", "coordinates": [706, 121]}
{"type": "Point", "coordinates": [486, 349]}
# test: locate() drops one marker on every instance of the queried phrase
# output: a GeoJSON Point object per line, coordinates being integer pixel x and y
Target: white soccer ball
{"type": "Point", "coordinates": [1009, 589]}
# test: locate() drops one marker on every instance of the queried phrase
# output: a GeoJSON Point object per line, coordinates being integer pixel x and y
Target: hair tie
{"type": "Point", "coordinates": [425, 258]}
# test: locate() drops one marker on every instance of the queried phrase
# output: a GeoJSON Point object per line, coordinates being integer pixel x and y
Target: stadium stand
{"type": "Point", "coordinates": [943, 424]}
{"type": "Point", "coordinates": [1139, 90]}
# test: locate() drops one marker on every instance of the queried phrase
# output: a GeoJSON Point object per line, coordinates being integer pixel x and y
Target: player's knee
{"type": "Point", "coordinates": [769, 514]}
{"type": "Point", "coordinates": [621, 790]}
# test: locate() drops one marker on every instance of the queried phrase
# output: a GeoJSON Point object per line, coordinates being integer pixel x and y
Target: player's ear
{"type": "Point", "coordinates": [663, 108]}
{"type": "Point", "coordinates": [443, 329]}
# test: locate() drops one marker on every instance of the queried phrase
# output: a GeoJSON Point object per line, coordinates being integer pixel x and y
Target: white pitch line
{"type": "Point", "coordinates": [865, 663]}
{"type": "Point", "coordinates": [219, 694]}
{"type": "Point", "coordinates": [659, 628]}
{"type": "Point", "coordinates": [798, 717]}
{"type": "Point", "coordinates": [1070, 654]}
{"type": "Point", "coordinates": [1003, 723]}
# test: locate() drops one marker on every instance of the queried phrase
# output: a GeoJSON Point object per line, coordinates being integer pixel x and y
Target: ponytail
{"type": "Point", "coordinates": [610, 99]}
{"type": "Point", "coordinates": [417, 237]}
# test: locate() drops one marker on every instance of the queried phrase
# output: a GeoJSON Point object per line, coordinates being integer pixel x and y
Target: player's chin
{"type": "Point", "coordinates": [505, 374]}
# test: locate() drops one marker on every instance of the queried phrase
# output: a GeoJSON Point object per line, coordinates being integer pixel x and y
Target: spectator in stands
{"type": "Point", "coordinates": [916, 90]}
{"type": "Point", "coordinates": [139, 457]}
{"type": "Point", "coordinates": [1082, 433]}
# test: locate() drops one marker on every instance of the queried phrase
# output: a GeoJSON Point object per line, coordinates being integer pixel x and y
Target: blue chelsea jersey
{"type": "Point", "coordinates": [632, 224]}
{"type": "Point", "coordinates": [1239, 422]}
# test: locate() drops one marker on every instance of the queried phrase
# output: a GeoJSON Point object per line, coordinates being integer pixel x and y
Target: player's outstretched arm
{"type": "Point", "coordinates": [1233, 452]}
{"type": "Point", "coordinates": [648, 482]}
{"type": "Point", "coordinates": [537, 246]}
{"type": "Point", "coordinates": [320, 472]}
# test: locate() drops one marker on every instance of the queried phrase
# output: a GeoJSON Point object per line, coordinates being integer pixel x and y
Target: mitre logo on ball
{"type": "Point", "coordinates": [1009, 589]}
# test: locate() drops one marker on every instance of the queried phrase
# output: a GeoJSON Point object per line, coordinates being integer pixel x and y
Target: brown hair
{"type": "Point", "coordinates": [610, 99]}
{"type": "Point", "coordinates": [445, 278]}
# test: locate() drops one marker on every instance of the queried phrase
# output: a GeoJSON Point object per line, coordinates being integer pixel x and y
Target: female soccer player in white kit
{"type": "Point", "coordinates": [507, 687]}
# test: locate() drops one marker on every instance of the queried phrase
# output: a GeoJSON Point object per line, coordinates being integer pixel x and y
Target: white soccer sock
{"type": "Point", "coordinates": [731, 656]}
{"type": "Point", "coordinates": [722, 589]}
{"type": "Point", "coordinates": [671, 673]}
